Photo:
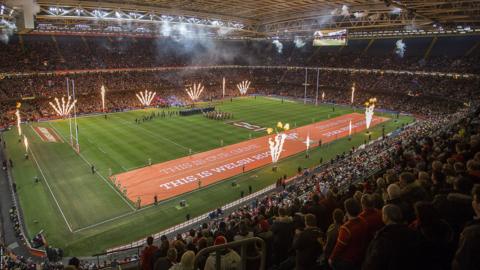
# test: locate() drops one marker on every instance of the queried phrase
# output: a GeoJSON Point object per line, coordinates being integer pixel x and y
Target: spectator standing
{"type": "Point", "coordinates": [467, 256]}
{"type": "Point", "coordinates": [229, 259]}
{"type": "Point", "coordinates": [395, 246]}
{"type": "Point", "coordinates": [164, 263]}
{"type": "Point", "coordinates": [147, 254]}
{"type": "Point", "coordinates": [308, 245]}
{"type": "Point", "coordinates": [283, 231]}
{"type": "Point", "coordinates": [332, 232]}
{"type": "Point", "coordinates": [371, 216]}
{"type": "Point", "coordinates": [186, 262]}
{"type": "Point", "coordinates": [351, 242]}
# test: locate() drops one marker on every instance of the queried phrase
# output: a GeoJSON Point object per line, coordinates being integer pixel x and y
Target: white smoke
{"type": "Point", "coordinates": [345, 12]}
{"type": "Point", "coordinates": [166, 29]}
{"type": "Point", "coordinates": [299, 43]}
{"type": "Point", "coordinates": [6, 31]}
{"type": "Point", "coordinates": [360, 14]}
{"type": "Point", "coordinates": [223, 31]}
{"type": "Point", "coordinates": [279, 45]}
{"type": "Point", "coordinates": [400, 48]}
{"type": "Point", "coordinates": [396, 10]}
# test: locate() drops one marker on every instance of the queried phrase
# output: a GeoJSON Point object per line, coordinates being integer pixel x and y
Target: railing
{"type": "Point", "coordinates": [120, 257]}
{"type": "Point", "coordinates": [243, 252]}
{"type": "Point", "coordinates": [195, 220]}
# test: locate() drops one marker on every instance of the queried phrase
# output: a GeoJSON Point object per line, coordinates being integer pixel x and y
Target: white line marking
{"type": "Point", "coordinates": [101, 150]}
{"type": "Point", "coordinates": [104, 221]}
{"type": "Point", "coordinates": [101, 176]}
{"type": "Point", "coordinates": [51, 192]}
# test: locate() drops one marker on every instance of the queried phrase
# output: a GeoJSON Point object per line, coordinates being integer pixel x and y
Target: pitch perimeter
{"type": "Point", "coordinates": [172, 178]}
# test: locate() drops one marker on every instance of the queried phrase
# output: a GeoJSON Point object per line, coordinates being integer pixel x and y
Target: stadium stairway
{"type": "Point", "coordinates": [368, 46]}
{"type": "Point", "coordinates": [430, 47]}
{"type": "Point", "coordinates": [62, 59]}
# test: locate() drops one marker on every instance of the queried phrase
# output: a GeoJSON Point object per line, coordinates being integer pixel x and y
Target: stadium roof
{"type": "Point", "coordinates": [255, 18]}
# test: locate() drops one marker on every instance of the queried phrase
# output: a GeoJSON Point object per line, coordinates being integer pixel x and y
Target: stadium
{"type": "Point", "coordinates": [209, 134]}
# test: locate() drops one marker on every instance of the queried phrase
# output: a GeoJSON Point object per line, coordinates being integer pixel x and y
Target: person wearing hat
{"type": "Point", "coordinates": [229, 259]}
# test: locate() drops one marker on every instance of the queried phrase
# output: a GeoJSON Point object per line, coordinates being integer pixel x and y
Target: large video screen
{"type": "Point", "coordinates": [330, 38]}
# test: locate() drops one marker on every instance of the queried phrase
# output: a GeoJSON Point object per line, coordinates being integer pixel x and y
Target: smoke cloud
{"type": "Point", "coordinates": [299, 43]}
{"type": "Point", "coordinates": [400, 48]}
{"type": "Point", "coordinates": [345, 12]}
{"type": "Point", "coordinates": [279, 45]}
{"type": "Point", "coordinates": [7, 31]}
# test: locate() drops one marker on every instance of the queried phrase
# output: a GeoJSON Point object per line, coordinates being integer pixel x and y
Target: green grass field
{"type": "Point", "coordinates": [74, 206]}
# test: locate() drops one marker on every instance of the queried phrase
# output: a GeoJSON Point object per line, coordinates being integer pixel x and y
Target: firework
{"type": "Point", "coordinates": [307, 142]}
{"type": "Point", "coordinates": [369, 108]}
{"type": "Point", "coordinates": [243, 87]}
{"type": "Point", "coordinates": [276, 143]}
{"type": "Point", "coordinates": [19, 128]}
{"type": "Point", "coordinates": [146, 97]}
{"type": "Point", "coordinates": [63, 109]}
{"type": "Point", "coordinates": [25, 142]}
{"type": "Point", "coordinates": [102, 92]}
{"type": "Point", "coordinates": [223, 87]}
{"type": "Point", "coordinates": [195, 91]}
{"type": "Point", "coordinates": [353, 93]}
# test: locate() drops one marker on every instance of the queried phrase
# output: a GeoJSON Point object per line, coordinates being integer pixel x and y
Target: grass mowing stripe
{"type": "Point", "coordinates": [51, 192]}
{"type": "Point", "coordinates": [154, 135]}
{"type": "Point", "coordinates": [101, 176]}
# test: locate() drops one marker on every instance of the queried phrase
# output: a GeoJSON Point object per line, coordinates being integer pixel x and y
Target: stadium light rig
{"type": "Point", "coordinates": [195, 91]}
{"type": "Point", "coordinates": [146, 97]}
{"type": "Point", "coordinates": [243, 87]}
{"type": "Point", "coordinates": [369, 109]}
{"type": "Point", "coordinates": [63, 109]}
{"type": "Point", "coordinates": [276, 143]}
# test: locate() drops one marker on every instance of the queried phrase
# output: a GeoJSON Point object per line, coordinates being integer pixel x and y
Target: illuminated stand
{"type": "Point", "coordinates": [276, 143]}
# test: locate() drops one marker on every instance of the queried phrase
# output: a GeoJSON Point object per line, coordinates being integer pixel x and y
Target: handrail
{"type": "Point", "coordinates": [243, 252]}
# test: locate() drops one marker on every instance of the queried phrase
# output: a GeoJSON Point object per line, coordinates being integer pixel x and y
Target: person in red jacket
{"type": "Point", "coordinates": [147, 254]}
{"type": "Point", "coordinates": [352, 240]}
{"type": "Point", "coordinates": [371, 216]}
